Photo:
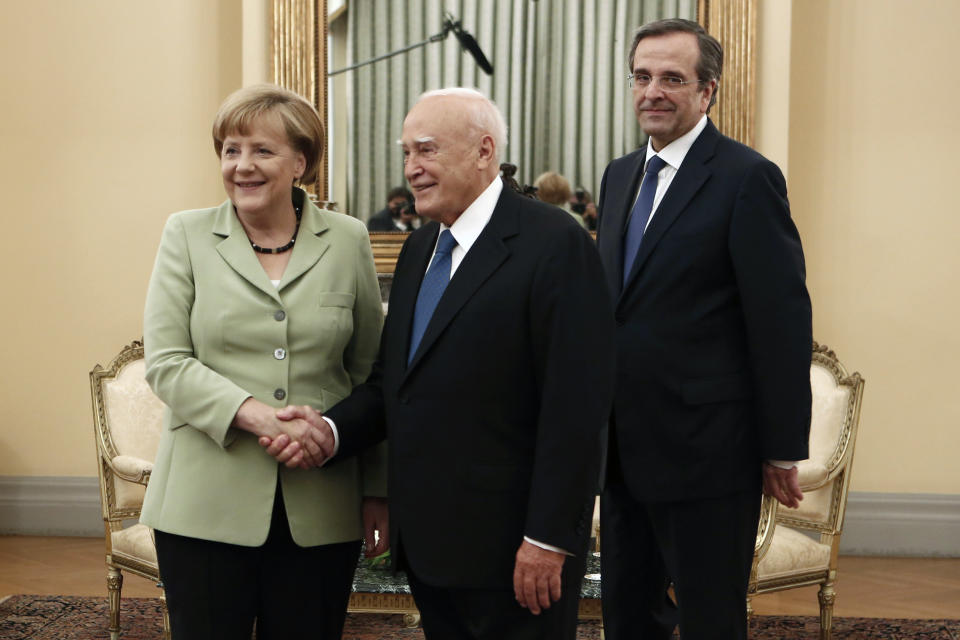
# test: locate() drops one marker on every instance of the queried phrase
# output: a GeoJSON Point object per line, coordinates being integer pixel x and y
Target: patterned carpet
{"type": "Point", "coordinates": [76, 618]}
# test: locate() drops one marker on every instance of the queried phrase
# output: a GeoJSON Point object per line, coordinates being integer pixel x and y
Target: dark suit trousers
{"type": "Point", "coordinates": [493, 614]}
{"type": "Point", "coordinates": [216, 590]}
{"type": "Point", "coordinates": [704, 547]}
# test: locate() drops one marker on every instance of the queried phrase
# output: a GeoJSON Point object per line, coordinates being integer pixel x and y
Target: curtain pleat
{"type": "Point", "coordinates": [560, 78]}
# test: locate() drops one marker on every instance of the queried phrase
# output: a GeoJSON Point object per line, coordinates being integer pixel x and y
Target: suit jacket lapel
{"type": "Point", "coordinates": [236, 251]}
{"type": "Point", "coordinates": [416, 254]}
{"type": "Point", "coordinates": [691, 176]}
{"type": "Point", "coordinates": [484, 258]}
{"type": "Point", "coordinates": [310, 244]}
{"type": "Point", "coordinates": [619, 212]}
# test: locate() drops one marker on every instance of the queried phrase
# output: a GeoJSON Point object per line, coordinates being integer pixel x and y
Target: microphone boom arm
{"type": "Point", "coordinates": [466, 41]}
{"type": "Point", "coordinates": [437, 37]}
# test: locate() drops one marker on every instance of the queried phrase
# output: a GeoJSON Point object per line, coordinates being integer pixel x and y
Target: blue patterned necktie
{"type": "Point", "coordinates": [640, 214]}
{"type": "Point", "coordinates": [431, 289]}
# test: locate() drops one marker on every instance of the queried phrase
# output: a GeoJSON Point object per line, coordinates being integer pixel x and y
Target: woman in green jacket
{"type": "Point", "coordinates": [261, 302]}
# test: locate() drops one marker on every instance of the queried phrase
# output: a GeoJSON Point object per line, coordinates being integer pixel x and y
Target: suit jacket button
{"type": "Point", "coordinates": [280, 354]}
{"type": "Point", "coordinates": [404, 400]}
{"type": "Point", "coordinates": [279, 394]}
{"type": "Point", "coordinates": [619, 319]}
{"type": "Point", "coordinates": [279, 315]}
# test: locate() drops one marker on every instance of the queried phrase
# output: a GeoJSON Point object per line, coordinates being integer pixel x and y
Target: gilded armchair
{"type": "Point", "coordinates": [127, 423]}
{"type": "Point", "coordinates": [799, 547]}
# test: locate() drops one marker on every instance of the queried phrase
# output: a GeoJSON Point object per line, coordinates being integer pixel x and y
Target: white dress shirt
{"type": "Point", "coordinates": [673, 154]}
{"type": "Point", "coordinates": [468, 227]}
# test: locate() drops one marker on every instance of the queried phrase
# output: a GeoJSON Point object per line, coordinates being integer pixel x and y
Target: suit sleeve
{"type": "Point", "coordinates": [573, 344]}
{"type": "Point", "coordinates": [769, 266]}
{"type": "Point", "coordinates": [196, 394]}
{"type": "Point", "coordinates": [361, 353]}
{"type": "Point", "coordinates": [601, 202]}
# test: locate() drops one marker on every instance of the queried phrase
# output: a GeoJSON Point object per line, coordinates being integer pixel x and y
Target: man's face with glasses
{"type": "Point", "coordinates": [667, 98]}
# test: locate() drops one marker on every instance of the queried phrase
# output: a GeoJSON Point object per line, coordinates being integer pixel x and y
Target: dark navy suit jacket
{"type": "Point", "coordinates": [713, 324]}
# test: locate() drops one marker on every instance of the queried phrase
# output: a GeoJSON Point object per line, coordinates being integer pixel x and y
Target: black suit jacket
{"type": "Point", "coordinates": [381, 221]}
{"type": "Point", "coordinates": [713, 325]}
{"type": "Point", "coordinates": [493, 429]}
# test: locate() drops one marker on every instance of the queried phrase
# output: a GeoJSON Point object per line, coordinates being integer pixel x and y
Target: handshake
{"type": "Point", "coordinates": [296, 436]}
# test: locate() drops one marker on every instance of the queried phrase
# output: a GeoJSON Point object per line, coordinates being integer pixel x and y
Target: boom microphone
{"type": "Point", "coordinates": [469, 43]}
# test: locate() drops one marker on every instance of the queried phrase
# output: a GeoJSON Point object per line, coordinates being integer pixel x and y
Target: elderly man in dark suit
{"type": "Point", "coordinates": [713, 351]}
{"type": "Point", "coordinates": [493, 381]}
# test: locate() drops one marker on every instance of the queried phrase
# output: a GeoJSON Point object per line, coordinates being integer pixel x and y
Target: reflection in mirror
{"type": "Point", "coordinates": [559, 76]}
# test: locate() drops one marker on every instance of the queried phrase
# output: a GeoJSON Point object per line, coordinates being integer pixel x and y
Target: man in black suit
{"type": "Point", "coordinates": [714, 342]}
{"type": "Point", "coordinates": [494, 401]}
{"type": "Point", "coordinates": [386, 219]}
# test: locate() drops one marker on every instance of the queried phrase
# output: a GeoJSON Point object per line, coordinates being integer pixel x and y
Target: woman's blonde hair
{"type": "Point", "coordinates": [553, 188]}
{"type": "Point", "coordinates": [299, 119]}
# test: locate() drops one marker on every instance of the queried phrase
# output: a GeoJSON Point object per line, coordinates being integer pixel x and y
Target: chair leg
{"type": "Point", "coordinates": [749, 608]}
{"type": "Point", "coordinates": [114, 584]}
{"type": "Point", "coordinates": [826, 596]}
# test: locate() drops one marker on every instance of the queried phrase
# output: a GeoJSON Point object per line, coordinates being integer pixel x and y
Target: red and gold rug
{"type": "Point", "coordinates": [78, 618]}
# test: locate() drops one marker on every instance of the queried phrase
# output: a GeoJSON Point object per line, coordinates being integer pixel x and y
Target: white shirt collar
{"type": "Point", "coordinates": [674, 153]}
{"type": "Point", "coordinates": [467, 228]}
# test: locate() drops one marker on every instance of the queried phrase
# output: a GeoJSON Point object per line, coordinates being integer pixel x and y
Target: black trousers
{"type": "Point", "coordinates": [215, 590]}
{"type": "Point", "coordinates": [493, 614]}
{"type": "Point", "coordinates": [704, 547]}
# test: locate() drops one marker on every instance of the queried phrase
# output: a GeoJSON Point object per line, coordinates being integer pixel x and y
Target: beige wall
{"type": "Point", "coordinates": [106, 112]}
{"type": "Point", "coordinates": [105, 131]}
{"type": "Point", "coordinates": [873, 181]}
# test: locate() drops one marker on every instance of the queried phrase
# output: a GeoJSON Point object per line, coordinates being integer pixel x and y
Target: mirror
{"type": "Point", "coordinates": [364, 164]}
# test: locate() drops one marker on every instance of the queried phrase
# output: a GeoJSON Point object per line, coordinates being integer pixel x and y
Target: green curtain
{"type": "Point", "coordinates": [559, 77]}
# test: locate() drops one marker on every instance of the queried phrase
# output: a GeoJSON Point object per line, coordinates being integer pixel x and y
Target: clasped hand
{"type": "Point", "coordinates": [306, 440]}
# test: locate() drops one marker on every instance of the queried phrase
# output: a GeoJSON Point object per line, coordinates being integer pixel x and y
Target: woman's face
{"type": "Point", "coordinates": [259, 167]}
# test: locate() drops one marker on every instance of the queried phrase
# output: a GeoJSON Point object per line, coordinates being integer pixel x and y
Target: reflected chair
{"type": "Point", "coordinates": [127, 426]}
{"type": "Point", "coordinates": [799, 547]}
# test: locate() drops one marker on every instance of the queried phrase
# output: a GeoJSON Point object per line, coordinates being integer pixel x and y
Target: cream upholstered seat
{"type": "Point", "coordinates": [799, 547]}
{"type": "Point", "coordinates": [127, 424]}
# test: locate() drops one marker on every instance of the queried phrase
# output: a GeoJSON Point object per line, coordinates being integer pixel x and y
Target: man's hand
{"type": "Point", "coordinates": [536, 577]}
{"type": "Point", "coordinates": [782, 484]}
{"type": "Point", "coordinates": [306, 439]}
{"type": "Point", "coordinates": [375, 527]}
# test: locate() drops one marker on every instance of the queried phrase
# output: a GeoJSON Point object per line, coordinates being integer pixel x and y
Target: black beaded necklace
{"type": "Point", "coordinates": [285, 247]}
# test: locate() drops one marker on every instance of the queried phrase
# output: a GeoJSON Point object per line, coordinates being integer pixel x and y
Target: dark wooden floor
{"type": "Point", "coordinates": [867, 586]}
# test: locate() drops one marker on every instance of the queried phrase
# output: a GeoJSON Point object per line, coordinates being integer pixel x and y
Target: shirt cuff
{"type": "Point", "coordinates": [548, 547]}
{"type": "Point", "coordinates": [336, 436]}
{"type": "Point", "coordinates": [780, 464]}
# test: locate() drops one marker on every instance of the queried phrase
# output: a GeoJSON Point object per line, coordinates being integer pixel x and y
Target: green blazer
{"type": "Point", "coordinates": [217, 331]}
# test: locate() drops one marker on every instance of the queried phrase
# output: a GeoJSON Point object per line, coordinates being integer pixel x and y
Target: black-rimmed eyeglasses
{"type": "Point", "coordinates": [667, 84]}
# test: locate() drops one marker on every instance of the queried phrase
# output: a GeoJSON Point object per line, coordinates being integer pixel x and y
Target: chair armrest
{"type": "Point", "coordinates": [768, 522]}
{"type": "Point", "coordinates": [132, 468]}
{"type": "Point", "coordinates": [811, 475]}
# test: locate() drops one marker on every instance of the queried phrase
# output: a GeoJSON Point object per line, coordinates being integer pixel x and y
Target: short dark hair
{"type": "Point", "coordinates": [399, 192]}
{"type": "Point", "coordinates": [710, 64]}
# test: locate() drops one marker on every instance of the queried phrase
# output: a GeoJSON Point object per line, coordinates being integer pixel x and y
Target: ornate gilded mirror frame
{"type": "Point", "coordinates": [734, 24]}
{"type": "Point", "coordinates": [299, 36]}
{"type": "Point", "coordinates": [299, 43]}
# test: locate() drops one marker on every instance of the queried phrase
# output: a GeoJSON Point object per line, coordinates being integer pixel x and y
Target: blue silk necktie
{"type": "Point", "coordinates": [640, 214]}
{"type": "Point", "coordinates": [431, 289]}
